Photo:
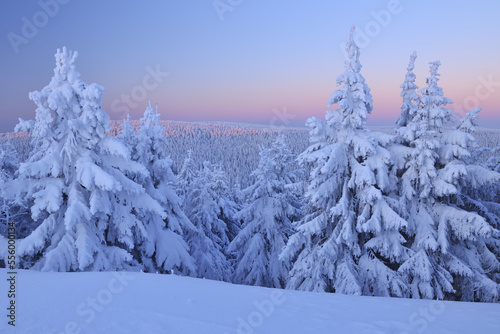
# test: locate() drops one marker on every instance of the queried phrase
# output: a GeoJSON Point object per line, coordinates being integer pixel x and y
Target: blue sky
{"type": "Point", "coordinates": [263, 62]}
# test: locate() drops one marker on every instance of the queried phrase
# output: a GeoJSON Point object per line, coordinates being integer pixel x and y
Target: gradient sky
{"type": "Point", "coordinates": [268, 61]}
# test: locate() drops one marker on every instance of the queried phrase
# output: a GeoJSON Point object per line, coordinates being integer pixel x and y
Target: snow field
{"type": "Point", "coordinates": [134, 302]}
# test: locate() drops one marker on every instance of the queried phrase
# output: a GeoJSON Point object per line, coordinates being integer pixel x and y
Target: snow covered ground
{"type": "Point", "coordinates": [124, 302]}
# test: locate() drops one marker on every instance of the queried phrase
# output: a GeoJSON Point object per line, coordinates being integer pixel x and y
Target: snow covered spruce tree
{"type": "Point", "coordinates": [166, 249]}
{"type": "Point", "coordinates": [11, 208]}
{"type": "Point", "coordinates": [477, 192]}
{"type": "Point", "coordinates": [208, 242]}
{"type": "Point", "coordinates": [236, 192]}
{"type": "Point", "coordinates": [350, 240]}
{"type": "Point", "coordinates": [489, 191]}
{"type": "Point", "coordinates": [128, 135]}
{"type": "Point", "coordinates": [186, 176]}
{"type": "Point", "coordinates": [9, 163]}
{"type": "Point", "coordinates": [267, 221]}
{"type": "Point", "coordinates": [493, 162]}
{"type": "Point", "coordinates": [481, 186]}
{"type": "Point", "coordinates": [75, 182]}
{"type": "Point", "coordinates": [9, 166]}
{"type": "Point", "coordinates": [411, 99]}
{"type": "Point", "coordinates": [227, 206]}
{"type": "Point", "coordinates": [450, 258]}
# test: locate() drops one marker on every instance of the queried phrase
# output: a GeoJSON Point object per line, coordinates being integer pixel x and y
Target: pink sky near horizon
{"type": "Point", "coordinates": [303, 102]}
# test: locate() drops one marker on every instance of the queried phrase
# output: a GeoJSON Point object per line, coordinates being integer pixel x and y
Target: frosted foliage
{"type": "Point", "coordinates": [409, 94]}
{"type": "Point", "coordinates": [267, 220]}
{"type": "Point", "coordinates": [228, 208]}
{"type": "Point", "coordinates": [468, 123]}
{"type": "Point", "coordinates": [186, 175]}
{"type": "Point", "coordinates": [412, 214]}
{"type": "Point", "coordinates": [433, 112]}
{"type": "Point", "coordinates": [75, 182]}
{"type": "Point", "coordinates": [9, 163]}
{"type": "Point", "coordinates": [449, 247]}
{"type": "Point", "coordinates": [11, 207]}
{"type": "Point", "coordinates": [351, 229]}
{"type": "Point", "coordinates": [209, 238]}
{"type": "Point", "coordinates": [353, 96]}
{"type": "Point", "coordinates": [165, 249]}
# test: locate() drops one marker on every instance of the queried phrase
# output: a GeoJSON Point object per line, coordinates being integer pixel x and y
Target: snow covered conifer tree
{"type": "Point", "coordinates": [227, 206]}
{"type": "Point", "coordinates": [11, 208]}
{"type": "Point", "coordinates": [409, 93]}
{"type": "Point", "coordinates": [128, 136]}
{"type": "Point", "coordinates": [166, 249]}
{"type": "Point", "coordinates": [75, 182]}
{"type": "Point", "coordinates": [350, 239]}
{"type": "Point", "coordinates": [9, 163]}
{"type": "Point", "coordinates": [450, 257]}
{"type": "Point", "coordinates": [8, 168]}
{"type": "Point", "coordinates": [186, 176]}
{"type": "Point", "coordinates": [468, 123]}
{"type": "Point", "coordinates": [477, 193]}
{"type": "Point", "coordinates": [433, 111]}
{"type": "Point", "coordinates": [209, 241]}
{"type": "Point", "coordinates": [236, 192]}
{"type": "Point", "coordinates": [267, 221]}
